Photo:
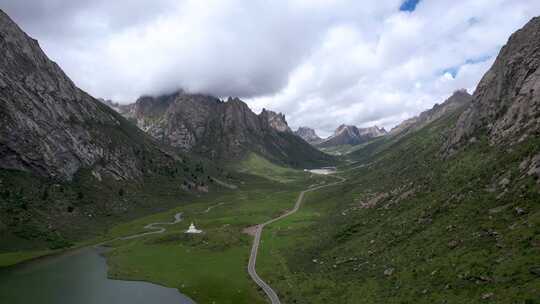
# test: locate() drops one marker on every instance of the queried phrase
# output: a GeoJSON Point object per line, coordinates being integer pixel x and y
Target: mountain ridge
{"type": "Point", "coordinates": [309, 135]}
{"type": "Point", "coordinates": [506, 102]}
{"type": "Point", "coordinates": [351, 135]}
{"type": "Point", "coordinates": [221, 130]}
{"type": "Point", "coordinates": [52, 128]}
{"type": "Point", "coordinates": [460, 98]}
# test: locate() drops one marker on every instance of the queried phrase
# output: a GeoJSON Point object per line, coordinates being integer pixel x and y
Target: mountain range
{"type": "Point", "coordinates": [343, 135]}
{"type": "Point", "coordinates": [351, 135]}
{"type": "Point", "coordinates": [221, 130]}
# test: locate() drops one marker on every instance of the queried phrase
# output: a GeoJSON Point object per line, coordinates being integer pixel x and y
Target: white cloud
{"type": "Point", "coordinates": [321, 62]}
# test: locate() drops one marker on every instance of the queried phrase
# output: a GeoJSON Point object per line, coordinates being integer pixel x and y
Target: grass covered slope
{"type": "Point", "coordinates": [260, 166]}
{"type": "Point", "coordinates": [411, 226]}
{"type": "Point", "coordinates": [38, 213]}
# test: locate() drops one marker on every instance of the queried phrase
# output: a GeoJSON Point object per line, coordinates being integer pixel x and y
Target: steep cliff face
{"type": "Point", "coordinates": [506, 103]}
{"type": "Point", "coordinates": [221, 130]}
{"type": "Point", "coordinates": [70, 166]}
{"type": "Point", "coordinates": [372, 132]}
{"type": "Point", "coordinates": [308, 135]}
{"type": "Point", "coordinates": [275, 120]}
{"type": "Point", "coordinates": [351, 135]}
{"type": "Point", "coordinates": [50, 127]}
{"type": "Point", "coordinates": [458, 100]}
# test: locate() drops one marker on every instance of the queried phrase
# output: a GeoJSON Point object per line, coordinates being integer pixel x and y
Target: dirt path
{"type": "Point", "coordinates": [212, 207]}
{"type": "Point", "coordinates": [153, 226]}
{"type": "Point", "coordinates": [257, 230]}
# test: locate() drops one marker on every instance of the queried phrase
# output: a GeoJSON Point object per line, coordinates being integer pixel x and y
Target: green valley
{"type": "Point", "coordinates": [176, 190]}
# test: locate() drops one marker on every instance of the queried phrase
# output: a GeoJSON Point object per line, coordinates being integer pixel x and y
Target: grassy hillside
{"type": "Point", "coordinates": [39, 213]}
{"type": "Point", "coordinates": [410, 226]}
{"type": "Point", "coordinates": [347, 149]}
{"type": "Point", "coordinates": [260, 166]}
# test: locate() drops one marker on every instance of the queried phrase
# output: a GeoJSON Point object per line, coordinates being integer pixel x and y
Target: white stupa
{"type": "Point", "coordinates": [192, 229]}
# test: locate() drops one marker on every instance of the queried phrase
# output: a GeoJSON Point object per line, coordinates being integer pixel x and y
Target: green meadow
{"type": "Point", "coordinates": [210, 267]}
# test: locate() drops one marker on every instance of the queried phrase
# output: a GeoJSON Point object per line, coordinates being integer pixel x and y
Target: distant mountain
{"type": "Point", "coordinates": [308, 135]}
{"type": "Point", "coordinates": [506, 102]}
{"type": "Point", "coordinates": [351, 135]}
{"type": "Point", "coordinates": [221, 130]}
{"type": "Point", "coordinates": [459, 99]}
{"type": "Point", "coordinates": [50, 127]}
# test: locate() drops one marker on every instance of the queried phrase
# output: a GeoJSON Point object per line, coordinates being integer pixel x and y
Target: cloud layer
{"type": "Point", "coordinates": [321, 62]}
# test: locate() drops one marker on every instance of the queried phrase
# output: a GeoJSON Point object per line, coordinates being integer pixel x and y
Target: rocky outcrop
{"type": "Point", "coordinates": [221, 130]}
{"type": "Point", "coordinates": [372, 132]}
{"type": "Point", "coordinates": [50, 127]}
{"type": "Point", "coordinates": [506, 103]}
{"type": "Point", "coordinates": [458, 100]}
{"type": "Point", "coordinates": [275, 120]}
{"type": "Point", "coordinates": [308, 135]}
{"type": "Point", "coordinates": [351, 135]}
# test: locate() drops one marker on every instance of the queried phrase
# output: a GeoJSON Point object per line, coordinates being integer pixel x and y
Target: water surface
{"type": "Point", "coordinates": [78, 277]}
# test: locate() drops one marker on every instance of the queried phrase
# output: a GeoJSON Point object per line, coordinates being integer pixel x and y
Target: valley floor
{"type": "Point", "coordinates": [208, 267]}
{"type": "Point", "coordinates": [405, 227]}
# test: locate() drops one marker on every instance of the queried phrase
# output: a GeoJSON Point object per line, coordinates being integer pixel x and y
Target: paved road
{"type": "Point", "coordinates": [274, 299]}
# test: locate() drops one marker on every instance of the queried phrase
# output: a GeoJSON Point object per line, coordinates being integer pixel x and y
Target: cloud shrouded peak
{"type": "Point", "coordinates": [322, 63]}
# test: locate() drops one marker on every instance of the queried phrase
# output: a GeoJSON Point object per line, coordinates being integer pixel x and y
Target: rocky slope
{"type": "Point", "coordinates": [506, 103]}
{"type": "Point", "coordinates": [221, 130]}
{"type": "Point", "coordinates": [351, 135]}
{"type": "Point", "coordinates": [275, 120]}
{"type": "Point", "coordinates": [50, 127]}
{"type": "Point", "coordinates": [308, 135]}
{"type": "Point", "coordinates": [70, 166]}
{"type": "Point", "coordinates": [459, 99]}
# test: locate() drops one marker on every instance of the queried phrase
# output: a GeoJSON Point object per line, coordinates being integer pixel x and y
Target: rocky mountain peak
{"type": "Point", "coordinates": [352, 135]}
{"type": "Point", "coordinates": [308, 135]}
{"type": "Point", "coordinates": [345, 128]}
{"type": "Point", "coordinates": [275, 120]}
{"type": "Point", "coordinates": [373, 131]}
{"type": "Point", "coordinates": [218, 130]}
{"type": "Point", "coordinates": [506, 103]}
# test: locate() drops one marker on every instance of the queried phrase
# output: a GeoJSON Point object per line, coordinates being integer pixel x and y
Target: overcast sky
{"type": "Point", "coordinates": [322, 63]}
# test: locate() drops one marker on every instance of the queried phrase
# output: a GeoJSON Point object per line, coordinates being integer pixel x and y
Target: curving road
{"type": "Point", "coordinates": [152, 226]}
{"type": "Point", "coordinates": [274, 299]}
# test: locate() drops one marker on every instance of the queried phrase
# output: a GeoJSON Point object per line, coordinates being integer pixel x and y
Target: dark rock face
{"type": "Point", "coordinates": [50, 127]}
{"type": "Point", "coordinates": [308, 135]}
{"type": "Point", "coordinates": [351, 135]}
{"type": "Point", "coordinates": [458, 100]}
{"type": "Point", "coordinates": [220, 130]}
{"type": "Point", "coordinates": [275, 120]}
{"type": "Point", "coordinates": [506, 103]}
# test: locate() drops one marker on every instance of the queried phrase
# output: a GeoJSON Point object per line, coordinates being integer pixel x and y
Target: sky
{"type": "Point", "coordinates": [320, 62]}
